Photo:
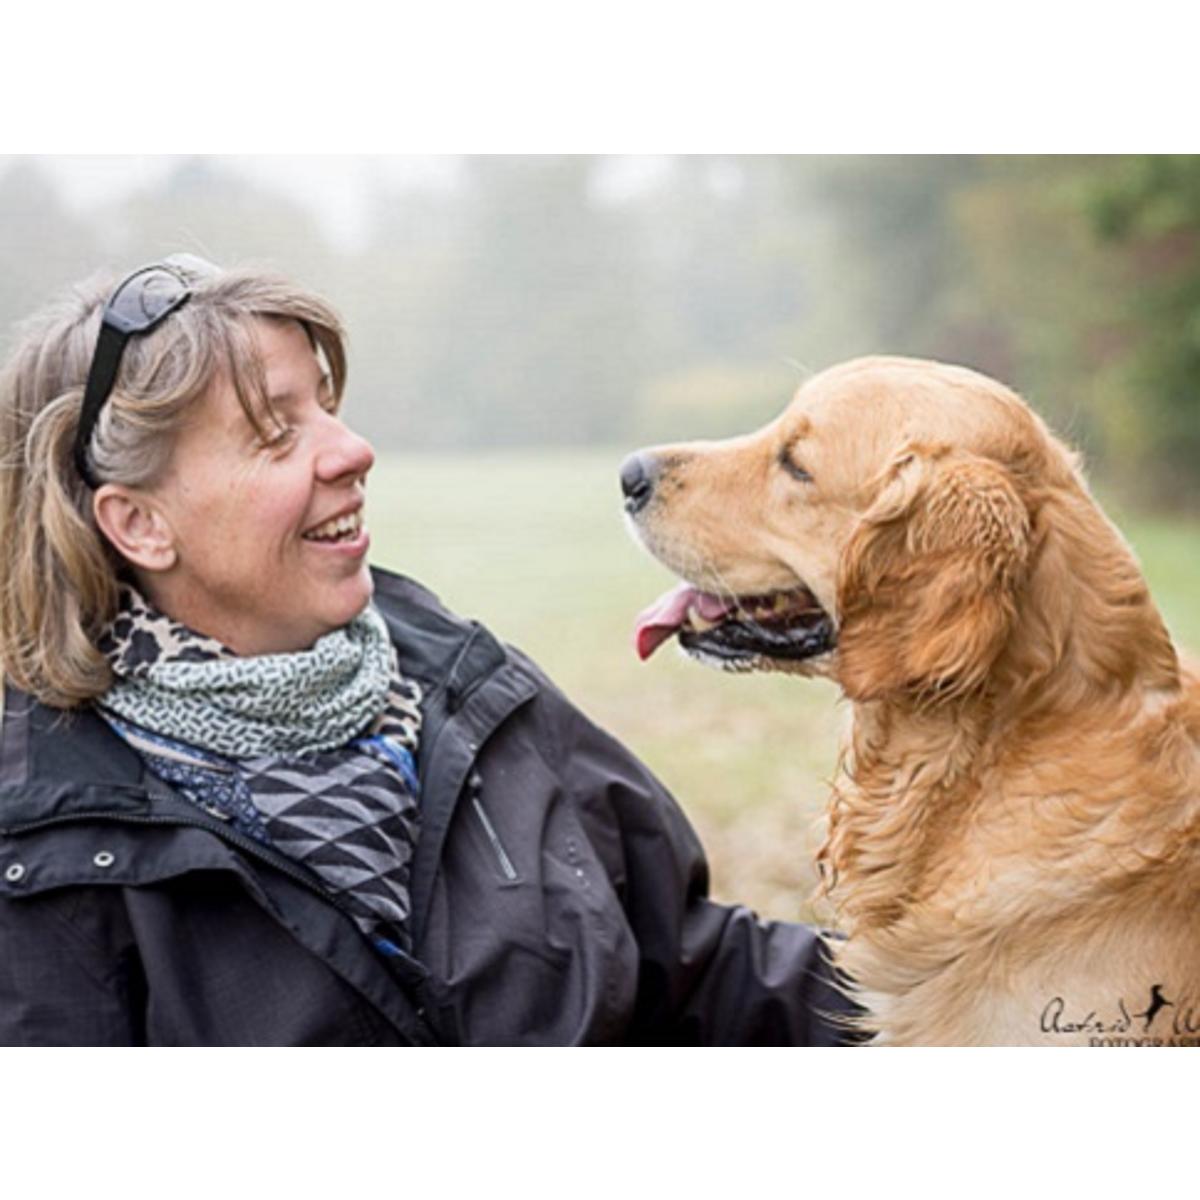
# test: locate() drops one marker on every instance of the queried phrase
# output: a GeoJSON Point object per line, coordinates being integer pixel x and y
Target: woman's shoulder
{"type": "Point", "coordinates": [437, 645]}
{"type": "Point", "coordinates": [413, 612]}
{"type": "Point", "coordinates": [432, 642]}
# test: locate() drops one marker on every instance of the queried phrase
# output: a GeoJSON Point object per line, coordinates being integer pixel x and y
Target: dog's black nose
{"type": "Point", "coordinates": [637, 481]}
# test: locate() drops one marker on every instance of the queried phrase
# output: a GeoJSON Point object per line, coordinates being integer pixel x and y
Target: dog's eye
{"type": "Point", "coordinates": [792, 467]}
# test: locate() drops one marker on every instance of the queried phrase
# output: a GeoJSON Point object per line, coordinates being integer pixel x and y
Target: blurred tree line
{"type": "Point", "coordinates": [531, 303]}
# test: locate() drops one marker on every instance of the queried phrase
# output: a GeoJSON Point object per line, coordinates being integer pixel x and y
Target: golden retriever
{"type": "Point", "coordinates": [1013, 843]}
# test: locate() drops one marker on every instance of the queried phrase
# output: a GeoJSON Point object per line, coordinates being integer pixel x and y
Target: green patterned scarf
{"type": "Point", "coordinates": [204, 694]}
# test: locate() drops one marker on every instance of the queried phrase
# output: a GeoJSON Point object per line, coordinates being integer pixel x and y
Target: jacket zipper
{"type": "Point", "coordinates": [475, 783]}
{"type": "Point", "coordinates": [437, 808]}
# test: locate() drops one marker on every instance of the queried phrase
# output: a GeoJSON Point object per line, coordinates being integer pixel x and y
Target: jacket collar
{"type": "Point", "coordinates": [46, 754]}
{"type": "Point", "coordinates": [437, 648]}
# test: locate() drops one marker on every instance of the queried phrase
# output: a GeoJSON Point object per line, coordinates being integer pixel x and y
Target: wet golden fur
{"type": "Point", "coordinates": [1013, 844]}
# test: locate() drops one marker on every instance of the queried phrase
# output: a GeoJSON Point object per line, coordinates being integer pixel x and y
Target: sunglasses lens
{"type": "Point", "coordinates": [144, 299]}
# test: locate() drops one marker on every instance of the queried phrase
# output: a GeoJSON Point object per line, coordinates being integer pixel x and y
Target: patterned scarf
{"type": "Point", "coordinates": [264, 744]}
{"type": "Point", "coordinates": [171, 679]}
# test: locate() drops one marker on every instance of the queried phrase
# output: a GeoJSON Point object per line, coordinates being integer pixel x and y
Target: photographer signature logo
{"type": "Point", "coordinates": [1165, 1019]}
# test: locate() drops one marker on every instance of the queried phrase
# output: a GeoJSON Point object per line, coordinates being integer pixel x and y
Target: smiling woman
{"type": "Point", "coordinates": [297, 570]}
{"type": "Point", "coordinates": [182, 447]}
{"type": "Point", "coordinates": [253, 790]}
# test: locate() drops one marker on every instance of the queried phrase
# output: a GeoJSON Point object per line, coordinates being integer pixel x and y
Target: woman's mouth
{"type": "Point", "coordinates": [346, 529]}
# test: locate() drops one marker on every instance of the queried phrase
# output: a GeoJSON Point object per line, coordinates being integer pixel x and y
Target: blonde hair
{"type": "Point", "coordinates": [58, 573]}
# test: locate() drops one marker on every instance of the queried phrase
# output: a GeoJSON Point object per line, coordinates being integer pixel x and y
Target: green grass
{"type": "Point", "coordinates": [533, 544]}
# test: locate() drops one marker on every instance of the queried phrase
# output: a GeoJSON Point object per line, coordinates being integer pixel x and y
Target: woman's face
{"type": "Point", "coordinates": [257, 564]}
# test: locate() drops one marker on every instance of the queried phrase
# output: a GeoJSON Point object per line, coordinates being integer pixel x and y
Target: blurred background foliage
{"type": "Point", "coordinates": [518, 324]}
{"type": "Point", "coordinates": [541, 301]}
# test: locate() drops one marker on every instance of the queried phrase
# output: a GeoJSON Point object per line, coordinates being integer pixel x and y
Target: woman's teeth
{"type": "Point", "coordinates": [337, 530]}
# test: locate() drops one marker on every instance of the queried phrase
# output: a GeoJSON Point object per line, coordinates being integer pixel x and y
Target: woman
{"type": "Point", "coordinates": [253, 790]}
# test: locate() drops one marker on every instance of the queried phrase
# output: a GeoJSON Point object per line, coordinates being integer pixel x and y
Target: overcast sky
{"type": "Point", "coordinates": [335, 187]}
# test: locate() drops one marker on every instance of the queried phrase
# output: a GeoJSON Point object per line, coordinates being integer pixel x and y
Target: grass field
{"type": "Point", "coordinates": [533, 545]}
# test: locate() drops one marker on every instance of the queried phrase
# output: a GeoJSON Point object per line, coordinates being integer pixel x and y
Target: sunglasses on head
{"type": "Point", "coordinates": [139, 303]}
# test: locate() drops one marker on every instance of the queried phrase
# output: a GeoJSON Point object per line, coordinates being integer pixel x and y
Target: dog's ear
{"type": "Point", "coordinates": [927, 582]}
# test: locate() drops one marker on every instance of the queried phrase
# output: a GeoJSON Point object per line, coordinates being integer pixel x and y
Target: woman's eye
{"type": "Point", "coordinates": [279, 437]}
{"type": "Point", "coordinates": [792, 467]}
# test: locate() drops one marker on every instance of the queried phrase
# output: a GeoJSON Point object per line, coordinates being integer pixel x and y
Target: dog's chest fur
{"type": "Point", "coordinates": [990, 904]}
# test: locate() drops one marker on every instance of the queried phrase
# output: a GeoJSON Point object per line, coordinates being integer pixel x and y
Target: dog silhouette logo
{"type": "Point", "coordinates": [1157, 1003]}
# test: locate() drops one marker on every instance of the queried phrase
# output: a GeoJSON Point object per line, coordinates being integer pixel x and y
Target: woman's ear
{"type": "Point", "coordinates": [927, 582]}
{"type": "Point", "coordinates": [136, 527]}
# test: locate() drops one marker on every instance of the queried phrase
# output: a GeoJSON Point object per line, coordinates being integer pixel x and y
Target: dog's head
{"type": "Point", "coordinates": [878, 531]}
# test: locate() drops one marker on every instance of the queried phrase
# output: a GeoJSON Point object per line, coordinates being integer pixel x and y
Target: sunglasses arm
{"type": "Point", "coordinates": [100, 380]}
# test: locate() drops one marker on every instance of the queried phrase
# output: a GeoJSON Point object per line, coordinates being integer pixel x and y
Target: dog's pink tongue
{"type": "Point", "coordinates": [667, 614]}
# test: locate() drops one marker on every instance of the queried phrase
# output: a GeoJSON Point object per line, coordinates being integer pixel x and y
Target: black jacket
{"type": "Point", "coordinates": [559, 894]}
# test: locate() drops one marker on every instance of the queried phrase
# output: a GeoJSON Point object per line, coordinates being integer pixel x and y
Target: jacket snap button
{"type": "Point", "coordinates": [103, 859]}
{"type": "Point", "coordinates": [15, 873]}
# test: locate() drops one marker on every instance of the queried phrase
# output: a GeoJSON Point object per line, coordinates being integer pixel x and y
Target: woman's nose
{"type": "Point", "coordinates": [344, 453]}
